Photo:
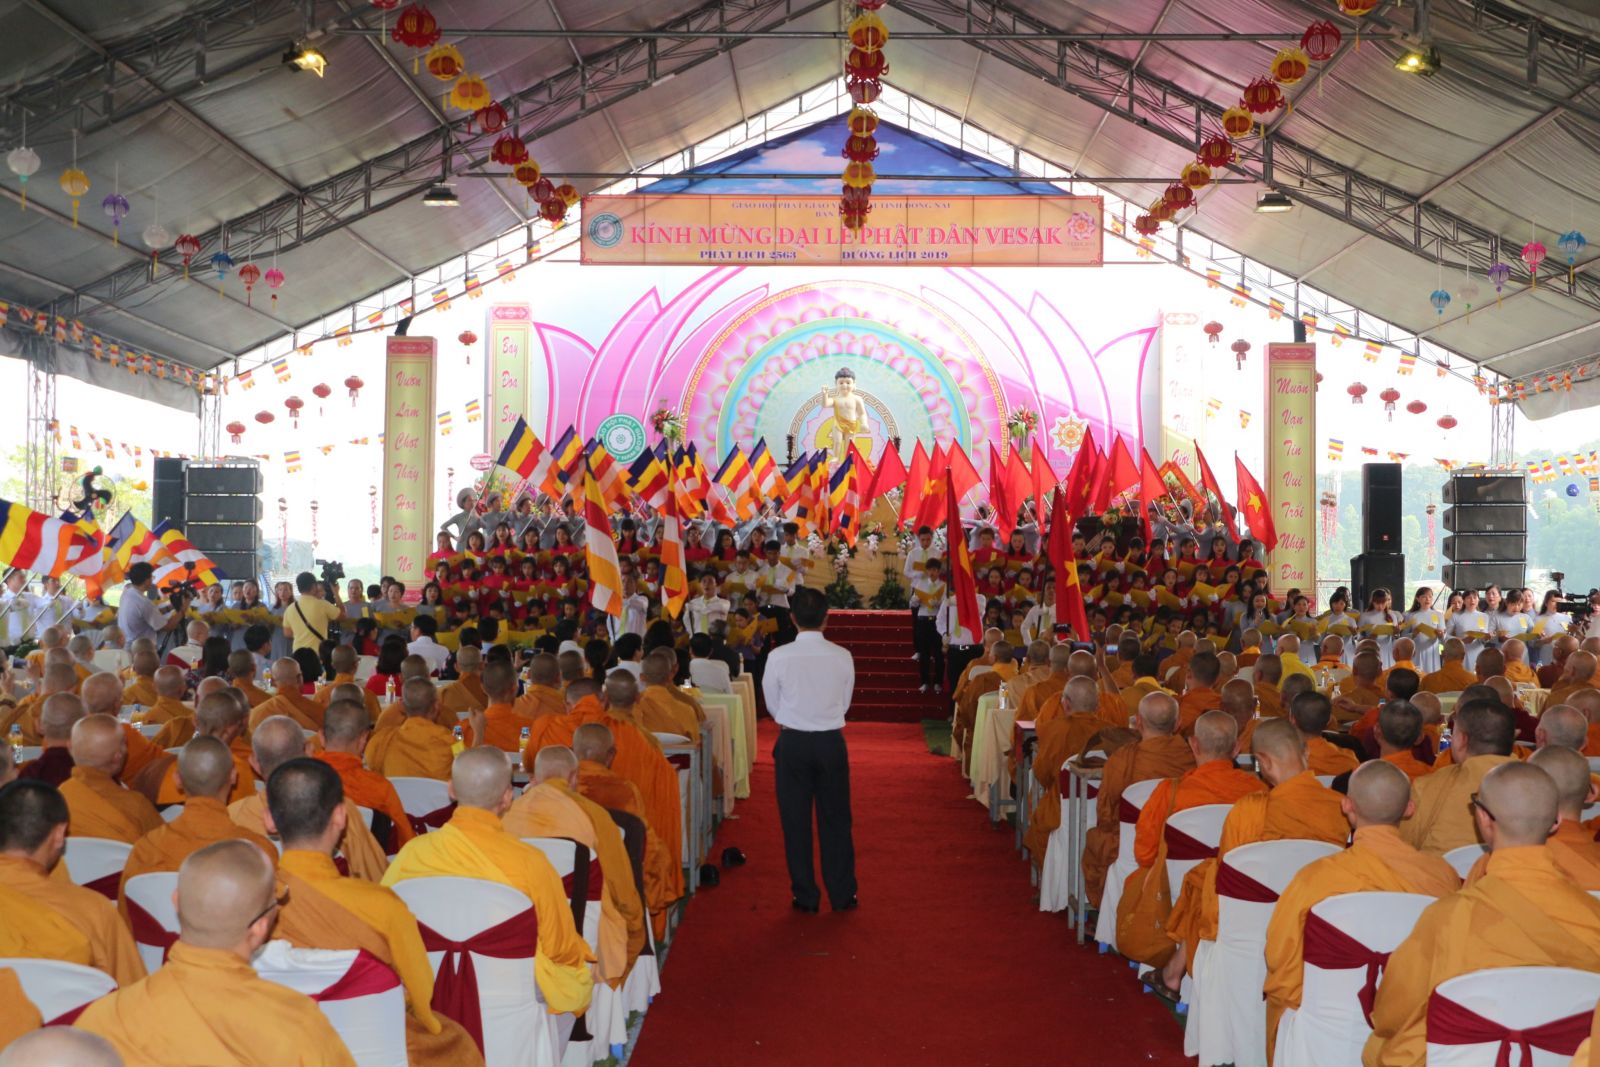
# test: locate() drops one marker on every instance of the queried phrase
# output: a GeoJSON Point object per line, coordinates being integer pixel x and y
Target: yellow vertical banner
{"type": "Point", "coordinates": [408, 414]}
{"type": "Point", "coordinates": [505, 387]}
{"type": "Point", "coordinates": [1290, 432]}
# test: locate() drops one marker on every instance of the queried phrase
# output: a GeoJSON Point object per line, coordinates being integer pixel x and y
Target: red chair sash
{"type": "Point", "coordinates": [455, 987]}
{"type": "Point", "coordinates": [367, 976]}
{"type": "Point", "coordinates": [1180, 846]}
{"type": "Point", "coordinates": [1126, 812]}
{"type": "Point", "coordinates": [680, 760]}
{"type": "Point", "coordinates": [106, 885]}
{"type": "Point", "coordinates": [1451, 1024]}
{"type": "Point", "coordinates": [67, 1018]}
{"type": "Point", "coordinates": [147, 929]}
{"type": "Point", "coordinates": [434, 819]}
{"type": "Point", "coordinates": [1232, 882]}
{"type": "Point", "coordinates": [1332, 949]}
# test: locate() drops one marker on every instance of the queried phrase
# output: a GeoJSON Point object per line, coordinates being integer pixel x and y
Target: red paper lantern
{"type": "Point", "coordinates": [1446, 422]}
{"type": "Point", "coordinates": [856, 199]}
{"type": "Point", "coordinates": [1179, 196]}
{"type": "Point", "coordinates": [1389, 396]}
{"type": "Point", "coordinates": [509, 150]}
{"type": "Point", "coordinates": [491, 118]}
{"type": "Point", "coordinates": [1213, 331]}
{"type": "Point", "coordinates": [860, 149]}
{"type": "Point", "coordinates": [871, 5]}
{"type": "Point", "coordinates": [1241, 349]}
{"type": "Point", "coordinates": [235, 431]}
{"type": "Point", "coordinates": [543, 189]}
{"type": "Point", "coordinates": [467, 337]}
{"type": "Point", "coordinates": [553, 210]}
{"type": "Point", "coordinates": [1215, 152]}
{"type": "Point", "coordinates": [864, 91]}
{"type": "Point", "coordinates": [1147, 225]}
{"type": "Point", "coordinates": [249, 274]}
{"type": "Point", "coordinates": [859, 64]}
{"type": "Point", "coordinates": [385, 5]}
{"type": "Point", "coordinates": [321, 391]}
{"type": "Point", "coordinates": [294, 404]}
{"type": "Point", "coordinates": [1289, 66]}
{"type": "Point", "coordinates": [1237, 122]}
{"type": "Point", "coordinates": [188, 246]}
{"type": "Point", "coordinates": [1416, 407]}
{"type": "Point", "coordinates": [1321, 41]}
{"type": "Point", "coordinates": [1262, 96]}
{"type": "Point", "coordinates": [1356, 391]}
{"type": "Point", "coordinates": [415, 27]}
{"type": "Point", "coordinates": [353, 384]}
{"type": "Point", "coordinates": [265, 417]}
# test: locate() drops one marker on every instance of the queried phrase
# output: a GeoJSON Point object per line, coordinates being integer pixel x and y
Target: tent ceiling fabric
{"type": "Point", "coordinates": [1479, 140]}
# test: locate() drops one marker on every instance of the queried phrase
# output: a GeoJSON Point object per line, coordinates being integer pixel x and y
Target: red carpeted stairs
{"type": "Point", "coordinates": [886, 675]}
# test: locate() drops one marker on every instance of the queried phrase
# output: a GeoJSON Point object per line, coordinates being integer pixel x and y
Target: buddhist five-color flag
{"type": "Point", "coordinates": [605, 575]}
{"type": "Point", "coordinates": [189, 561]}
{"type": "Point", "coordinates": [649, 477]}
{"type": "Point", "coordinates": [844, 495]}
{"type": "Point", "coordinates": [763, 471]}
{"type": "Point", "coordinates": [33, 541]}
{"type": "Point", "coordinates": [524, 454]}
{"type": "Point", "coordinates": [607, 473]}
{"type": "Point", "coordinates": [565, 457]}
{"type": "Point", "coordinates": [674, 576]}
{"type": "Point", "coordinates": [734, 478]}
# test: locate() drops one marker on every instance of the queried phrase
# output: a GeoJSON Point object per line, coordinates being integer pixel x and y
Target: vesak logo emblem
{"type": "Point", "coordinates": [605, 229]}
{"type": "Point", "coordinates": [623, 436]}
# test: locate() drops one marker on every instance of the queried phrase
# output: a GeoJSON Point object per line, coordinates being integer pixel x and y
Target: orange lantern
{"type": "Point", "coordinates": [1262, 96]}
{"type": "Point", "coordinates": [867, 32]}
{"type": "Point", "coordinates": [1237, 122]}
{"type": "Point", "coordinates": [859, 175]}
{"type": "Point", "coordinates": [568, 193]}
{"type": "Point", "coordinates": [445, 62]}
{"type": "Point", "coordinates": [1195, 175]}
{"type": "Point", "coordinates": [1289, 66]}
{"type": "Point", "coordinates": [469, 93]}
{"type": "Point", "coordinates": [1160, 210]}
{"type": "Point", "coordinates": [862, 121]}
{"type": "Point", "coordinates": [526, 173]}
{"type": "Point", "coordinates": [862, 64]}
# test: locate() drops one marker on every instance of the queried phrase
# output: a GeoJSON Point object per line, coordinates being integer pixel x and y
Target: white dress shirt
{"type": "Point", "coordinates": [949, 622]}
{"type": "Point", "coordinates": [702, 611]}
{"type": "Point", "coordinates": [779, 581]}
{"type": "Point", "coordinates": [710, 675]}
{"type": "Point", "coordinates": [635, 613]}
{"type": "Point", "coordinates": [916, 556]}
{"type": "Point", "coordinates": [808, 683]}
{"type": "Point", "coordinates": [429, 649]}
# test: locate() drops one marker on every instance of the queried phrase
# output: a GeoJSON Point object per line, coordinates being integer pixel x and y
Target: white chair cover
{"type": "Point", "coordinates": [96, 862]}
{"type": "Point", "coordinates": [421, 796]}
{"type": "Point", "coordinates": [1326, 779]}
{"type": "Point", "coordinates": [518, 1030]}
{"type": "Point", "coordinates": [366, 667]}
{"type": "Point", "coordinates": [1105, 929]}
{"type": "Point", "coordinates": [153, 893]}
{"type": "Point", "coordinates": [59, 990]}
{"type": "Point", "coordinates": [372, 1025]}
{"type": "Point", "coordinates": [1330, 1028]}
{"type": "Point", "coordinates": [1463, 858]}
{"type": "Point", "coordinates": [1518, 998]}
{"type": "Point", "coordinates": [607, 1019]}
{"type": "Point", "coordinates": [1227, 1018]}
{"type": "Point", "coordinates": [1055, 871]}
{"type": "Point", "coordinates": [1204, 824]}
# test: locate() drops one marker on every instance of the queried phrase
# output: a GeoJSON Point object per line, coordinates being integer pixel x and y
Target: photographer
{"type": "Point", "coordinates": [139, 616]}
{"type": "Point", "coordinates": [309, 620]}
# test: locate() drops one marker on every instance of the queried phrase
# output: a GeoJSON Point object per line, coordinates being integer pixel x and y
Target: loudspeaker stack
{"type": "Point", "coordinates": [1487, 520]}
{"type": "Point", "coordinates": [1381, 565]}
{"type": "Point", "coordinates": [217, 505]}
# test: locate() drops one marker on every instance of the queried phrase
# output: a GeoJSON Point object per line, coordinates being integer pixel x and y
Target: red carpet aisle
{"type": "Point", "coordinates": [947, 962]}
{"type": "Point", "coordinates": [886, 675]}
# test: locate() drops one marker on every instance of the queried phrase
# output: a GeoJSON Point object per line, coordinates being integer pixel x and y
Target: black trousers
{"type": "Point", "coordinates": [813, 770]}
{"type": "Point", "coordinates": [956, 659]}
{"type": "Point", "coordinates": [930, 649]}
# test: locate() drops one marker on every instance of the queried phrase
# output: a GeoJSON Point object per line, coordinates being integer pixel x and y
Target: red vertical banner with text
{"type": "Point", "coordinates": [505, 387]}
{"type": "Point", "coordinates": [408, 426]}
{"type": "Point", "coordinates": [1290, 430]}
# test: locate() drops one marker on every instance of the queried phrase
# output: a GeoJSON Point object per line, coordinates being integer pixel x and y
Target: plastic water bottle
{"type": "Point", "coordinates": [523, 745]}
{"type": "Point", "coordinates": [1444, 739]}
{"type": "Point", "coordinates": [459, 737]}
{"type": "Point", "coordinates": [16, 742]}
{"type": "Point", "coordinates": [388, 689]}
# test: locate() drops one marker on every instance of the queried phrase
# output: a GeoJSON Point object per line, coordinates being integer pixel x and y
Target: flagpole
{"type": "Point", "coordinates": [42, 611]}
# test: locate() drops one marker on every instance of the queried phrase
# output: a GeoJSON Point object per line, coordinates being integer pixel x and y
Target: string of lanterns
{"type": "Point", "coordinates": [864, 69]}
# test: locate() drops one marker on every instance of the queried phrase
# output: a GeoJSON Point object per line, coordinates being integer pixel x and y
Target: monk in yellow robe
{"type": "Point", "coordinates": [1377, 861]}
{"type": "Point", "coordinates": [242, 676]}
{"type": "Point", "coordinates": [392, 715]}
{"type": "Point", "coordinates": [142, 689]}
{"type": "Point", "coordinates": [207, 775]}
{"type": "Point", "coordinates": [467, 692]}
{"type": "Point", "coordinates": [345, 732]}
{"type": "Point", "coordinates": [1199, 693]}
{"type": "Point", "coordinates": [21, 1016]}
{"type": "Point", "coordinates": [170, 686]}
{"type": "Point", "coordinates": [344, 660]}
{"type": "Point", "coordinates": [1452, 675]}
{"type": "Point", "coordinates": [101, 806]}
{"type": "Point", "coordinates": [1522, 912]}
{"type": "Point", "coordinates": [1403, 649]}
{"type": "Point", "coordinates": [58, 678]}
{"type": "Point", "coordinates": [1214, 780]}
{"type": "Point", "coordinates": [661, 708]}
{"type": "Point", "coordinates": [1517, 670]}
{"type": "Point", "coordinates": [275, 742]}
{"type": "Point", "coordinates": [1159, 753]}
{"type": "Point", "coordinates": [596, 749]}
{"type": "Point", "coordinates": [327, 910]}
{"type": "Point", "coordinates": [1060, 738]}
{"type": "Point", "coordinates": [33, 836]}
{"type": "Point", "coordinates": [288, 700]}
{"type": "Point", "coordinates": [542, 696]}
{"type": "Point", "coordinates": [1355, 696]}
{"type": "Point", "coordinates": [1311, 713]}
{"type": "Point", "coordinates": [419, 747]}
{"type": "Point", "coordinates": [552, 807]}
{"type": "Point", "coordinates": [475, 844]}
{"type": "Point", "coordinates": [221, 716]}
{"type": "Point", "coordinates": [206, 1004]}
{"type": "Point", "coordinates": [502, 723]}
{"type": "Point", "coordinates": [1041, 675]}
{"type": "Point", "coordinates": [1046, 692]}
{"type": "Point", "coordinates": [1297, 806]}
{"type": "Point", "coordinates": [1484, 733]}
{"type": "Point", "coordinates": [1571, 846]}
{"type": "Point", "coordinates": [1001, 668]}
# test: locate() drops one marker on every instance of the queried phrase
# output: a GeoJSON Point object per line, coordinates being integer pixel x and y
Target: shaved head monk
{"type": "Point", "coordinates": [1482, 740]}
{"type": "Point", "coordinates": [142, 690]}
{"type": "Point", "coordinates": [58, 678]}
{"type": "Point", "coordinates": [59, 1046]}
{"type": "Point", "coordinates": [394, 714]}
{"type": "Point", "coordinates": [542, 695]}
{"type": "Point", "coordinates": [1267, 679]}
{"type": "Point", "coordinates": [1377, 861]}
{"type": "Point", "coordinates": [170, 687]}
{"type": "Point", "coordinates": [595, 748]}
{"type": "Point", "coordinates": [59, 715]}
{"type": "Point", "coordinates": [344, 660]}
{"type": "Point", "coordinates": [503, 724]}
{"type": "Point", "coordinates": [419, 747]}
{"type": "Point", "coordinates": [207, 775]}
{"type": "Point", "coordinates": [102, 695]}
{"type": "Point", "coordinates": [1522, 912]}
{"type": "Point", "coordinates": [1573, 848]}
{"type": "Point", "coordinates": [1159, 753]}
{"type": "Point", "coordinates": [1214, 780]}
{"type": "Point", "coordinates": [287, 699]}
{"type": "Point", "coordinates": [1580, 668]}
{"type": "Point", "coordinates": [1047, 690]}
{"type": "Point", "coordinates": [1588, 702]}
{"type": "Point", "coordinates": [1239, 703]}
{"type": "Point", "coordinates": [1311, 713]}
{"type": "Point", "coordinates": [206, 1004]}
{"type": "Point", "coordinates": [662, 707]}
{"type": "Point", "coordinates": [1562, 726]}
{"type": "Point", "coordinates": [33, 835]}
{"type": "Point", "coordinates": [1296, 806]}
{"type": "Point", "coordinates": [467, 692]}
{"type": "Point", "coordinates": [552, 807]}
{"type": "Point", "coordinates": [1199, 692]}
{"type": "Point", "coordinates": [475, 844]}
{"type": "Point", "coordinates": [345, 732]}
{"type": "Point", "coordinates": [327, 910]}
{"type": "Point", "coordinates": [220, 716]}
{"type": "Point", "coordinates": [101, 805]}
{"type": "Point", "coordinates": [242, 676]}
{"type": "Point", "coordinates": [1059, 738]}
{"type": "Point", "coordinates": [1452, 675]}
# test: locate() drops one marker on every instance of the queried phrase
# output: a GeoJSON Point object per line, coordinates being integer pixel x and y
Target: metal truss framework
{"type": "Point", "coordinates": [38, 478]}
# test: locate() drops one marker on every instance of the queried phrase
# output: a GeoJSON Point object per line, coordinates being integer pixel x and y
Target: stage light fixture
{"type": "Point", "coordinates": [1424, 60]}
{"type": "Point", "coordinates": [440, 194]}
{"type": "Point", "coordinates": [1272, 202]}
{"type": "Point", "coordinates": [304, 57]}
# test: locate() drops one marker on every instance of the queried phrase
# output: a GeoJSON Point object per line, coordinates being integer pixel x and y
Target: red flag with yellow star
{"type": "Point", "coordinates": [1255, 507]}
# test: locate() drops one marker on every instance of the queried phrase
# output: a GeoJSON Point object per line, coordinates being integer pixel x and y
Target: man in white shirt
{"type": "Point", "coordinates": [706, 674]}
{"type": "Point", "coordinates": [635, 610]}
{"type": "Point", "coordinates": [961, 645]}
{"type": "Point", "coordinates": [919, 554]}
{"type": "Point", "coordinates": [808, 686]}
{"type": "Point", "coordinates": [776, 579]}
{"type": "Point", "coordinates": [629, 650]}
{"type": "Point", "coordinates": [187, 654]}
{"type": "Point", "coordinates": [137, 615]}
{"type": "Point", "coordinates": [793, 551]}
{"type": "Point", "coordinates": [423, 627]}
{"type": "Point", "coordinates": [17, 608]}
{"type": "Point", "coordinates": [707, 608]}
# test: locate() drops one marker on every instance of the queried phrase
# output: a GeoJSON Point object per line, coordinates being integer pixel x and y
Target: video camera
{"type": "Point", "coordinates": [332, 570]}
{"type": "Point", "coordinates": [1574, 607]}
{"type": "Point", "coordinates": [180, 591]}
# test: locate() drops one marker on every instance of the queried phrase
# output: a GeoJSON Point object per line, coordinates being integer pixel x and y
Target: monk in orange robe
{"type": "Point", "coordinates": [542, 696]}
{"type": "Point", "coordinates": [1173, 667]}
{"type": "Point", "coordinates": [1399, 728]}
{"type": "Point", "coordinates": [475, 844]}
{"type": "Point", "coordinates": [206, 774]}
{"type": "Point", "coordinates": [551, 806]}
{"type": "Point", "coordinates": [419, 747]}
{"type": "Point", "coordinates": [1484, 733]}
{"type": "Point", "coordinates": [1452, 675]}
{"type": "Point", "coordinates": [596, 748]}
{"type": "Point", "coordinates": [662, 707]}
{"type": "Point", "coordinates": [327, 910]}
{"type": "Point", "coordinates": [102, 806]}
{"type": "Point", "coordinates": [206, 1004]}
{"type": "Point", "coordinates": [1214, 780]}
{"type": "Point", "coordinates": [1571, 846]}
{"type": "Point", "coordinates": [33, 835]}
{"type": "Point", "coordinates": [1311, 712]}
{"type": "Point", "coordinates": [1159, 753]}
{"type": "Point", "coordinates": [344, 660]}
{"type": "Point", "coordinates": [102, 695]}
{"type": "Point", "coordinates": [242, 676]}
{"type": "Point", "coordinates": [142, 689]}
{"type": "Point", "coordinates": [1144, 683]}
{"type": "Point", "coordinates": [1358, 694]}
{"type": "Point", "coordinates": [1522, 912]}
{"type": "Point", "coordinates": [1002, 667]}
{"type": "Point", "coordinates": [1297, 806]}
{"type": "Point", "coordinates": [1199, 692]}
{"type": "Point", "coordinates": [1059, 739]}
{"type": "Point", "coordinates": [58, 678]}
{"type": "Point", "coordinates": [1376, 861]}
{"type": "Point", "coordinates": [274, 743]}
{"type": "Point", "coordinates": [170, 687]}
{"type": "Point", "coordinates": [503, 724]}
{"type": "Point", "coordinates": [1046, 692]}
{"type": "Point", "coordinates": [392, 715]}
{"type": "Point", "coordinates": [288, 699]}
{"type": "Point", "coordinates": [345, 732]}
{"type": "Point", "coordinates": [467, 692]}
{"type": "Point", "coordinates": [222, 716]}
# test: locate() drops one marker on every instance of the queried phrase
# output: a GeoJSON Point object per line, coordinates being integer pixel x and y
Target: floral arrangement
{"type": "Point", "coordinates": [668, 424]}
{"type": "Point", "coordinates": [1021, 424]}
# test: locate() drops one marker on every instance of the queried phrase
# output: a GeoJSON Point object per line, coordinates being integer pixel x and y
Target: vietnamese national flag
{"type": "Point", "coordinates": [1043, 478]}
{"type": "Point", "coordinates": [1019, 479]}
{"type": "Point", "coordinates": [1080, 486]}
{"type": "Point", "coordinates": [1124, 477]}
{"type": "Point", "coordinates": [891, 474]}
{"type": "Point", "coordinates": [1255, 507]}
{"type": "Point", "coordinates": [963, 582]}
{"type": "Point", "coordinates": [916, 484]}
{"type": "Point", "coordinates": [1002, 498]}
{"type": "Point", "coordinates": [931, 512]}
{"type": "Point", "coordinates": [962, 472]}
{"type": "Point", "coordinates": [1151, 490]}
{"type": "Point", "coordinates": [1058, 547]}
{"type": "Point", "coordinates": [1100, 482]}
{"type": "Point", "coordinates": [1213, 487]}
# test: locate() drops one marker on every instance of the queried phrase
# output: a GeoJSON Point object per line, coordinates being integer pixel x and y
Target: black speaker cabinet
{"type": "Point", "coordinates": [1377, 570]}
{"type": "Point", "coordinates": [1486, 489]}
{"type": "Point", "coordinates": [1486, 548]}
{"type": "Point", "coordinates": [1483, 575]}
{"type": "Point", "coordinates": [1380, 507]}
{"type": "Point", "coordinates": [167, 492]}
{"type": "Point", "coordinates": [1486, 518]}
